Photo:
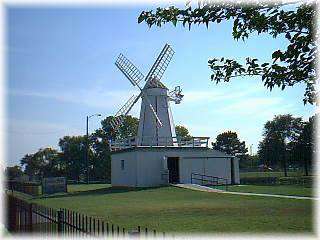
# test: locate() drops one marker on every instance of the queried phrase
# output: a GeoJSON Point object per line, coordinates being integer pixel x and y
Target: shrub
{"type": "Point", "coordinates": [304, 181]}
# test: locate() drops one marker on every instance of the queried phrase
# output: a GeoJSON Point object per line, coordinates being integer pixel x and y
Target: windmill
{"type": "Point", "coordinates": [156, 123]}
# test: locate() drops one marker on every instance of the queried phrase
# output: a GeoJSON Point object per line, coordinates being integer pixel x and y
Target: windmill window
{"type": "Point", "coordinates": [122, 164]}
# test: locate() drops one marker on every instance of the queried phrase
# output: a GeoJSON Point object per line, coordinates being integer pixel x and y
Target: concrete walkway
{"type": "Point", "coordinates": [208, 189]}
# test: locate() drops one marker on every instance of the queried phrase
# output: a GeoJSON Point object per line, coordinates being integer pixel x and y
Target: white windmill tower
{"type": "Point", "coordinates": [156, 125]}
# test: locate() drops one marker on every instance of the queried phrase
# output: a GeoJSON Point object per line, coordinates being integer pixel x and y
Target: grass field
{"type": "Point", "coordinates": [276, 189]}
{"type": "Point", "coordinates": [172, 209]}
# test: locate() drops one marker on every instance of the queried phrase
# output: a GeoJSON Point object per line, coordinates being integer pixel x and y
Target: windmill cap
{"type": "Point", "coordinates": [154, 83]}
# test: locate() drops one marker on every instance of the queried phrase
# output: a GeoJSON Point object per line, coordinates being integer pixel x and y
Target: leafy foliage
{"type": "Point", "coordinates": [13, 172]}
{"type": "Point", "coordinates": [305, 146]}
{"type": "Point", "coordinates": [280, 138]}
{"type": "Point", "coordinates": [229, 143]}
{"type": "Point", "coordinates": [249, 162]}
{"type": "Point", "coordinates": [44, 163]}
{"type": "Point", "coordinates": [73, 150]}
{"type": "Point", "coordinates": [182, 132]}
{"type": "Point", "coordinates": [128, 128]}
{"type": "Point", "coordinates": [101, 165]}
{"type": "Point", "coordinates": [296, 23]}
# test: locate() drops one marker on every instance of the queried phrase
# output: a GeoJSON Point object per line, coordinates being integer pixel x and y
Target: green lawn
{"type": "Point", "coordinates": [72, 188]}
{"type": "Point", "coordinates": [172, 209]}
{"type": "Point", "coordinates": [276, 189]}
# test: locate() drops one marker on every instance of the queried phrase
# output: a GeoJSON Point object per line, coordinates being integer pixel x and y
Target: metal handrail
{"type": "Point", "coordinates": [214, 180]}
{"type": "Point", "coordinates": [160, 141]}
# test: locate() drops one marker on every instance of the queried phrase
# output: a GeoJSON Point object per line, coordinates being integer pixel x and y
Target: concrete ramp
{"type": "Point", "coordinates": [197, 187]}
{"type": "Point", "coordinates": [208, 189]}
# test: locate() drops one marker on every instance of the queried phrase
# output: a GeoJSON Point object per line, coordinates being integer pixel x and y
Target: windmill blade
{"type": "Point", "coordinates": [161, 64]}
{"type": "Point", "coordinates": [129, 70]}
{"type": "Point", "coordinates": [159, 123]}
{"type": "Point", "coordinates": [123, 111]}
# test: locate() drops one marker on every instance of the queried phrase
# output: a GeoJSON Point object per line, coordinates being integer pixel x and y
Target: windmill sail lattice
{"type": "Point", "coordinates": [120, 115]}
{"type": "Point", "coordinates": [156, 120]}
{"type": "Point", "coordinates": [161, 64]}
{"type": "Point", "coordinates": [129, 70]}
{"type": "Point", "coordinates": [134, 76]}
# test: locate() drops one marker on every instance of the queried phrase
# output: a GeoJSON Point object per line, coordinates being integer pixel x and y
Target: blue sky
{"type": "Point", "coordinates": [60, 68]}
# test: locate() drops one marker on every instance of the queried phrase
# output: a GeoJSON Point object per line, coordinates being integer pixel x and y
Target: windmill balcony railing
{"type": "Point", "coordinates": [159, 141]}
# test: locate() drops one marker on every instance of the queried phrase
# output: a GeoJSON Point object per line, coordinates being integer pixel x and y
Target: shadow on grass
{"type": "Point", "coordinates": [100, 191]}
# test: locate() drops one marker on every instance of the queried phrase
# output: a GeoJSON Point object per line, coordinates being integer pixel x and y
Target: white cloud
{"type": "Point", "coordinates": [218, 94]}
{"type": "Point", "coordinates": [258, 107]}
{"type": "Point", "coordinates": [99, 98]}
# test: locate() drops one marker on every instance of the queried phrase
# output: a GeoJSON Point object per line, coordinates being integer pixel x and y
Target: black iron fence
{"type": "Point", "coordinates": [208, 180]}
{"type": "Point", "coordinates": [25, 217]}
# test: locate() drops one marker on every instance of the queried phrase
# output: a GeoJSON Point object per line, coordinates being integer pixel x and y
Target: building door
{"type": "Point", "coordinates": [173, 167]}
{"type": "Point", "coordinates": [232, 170]}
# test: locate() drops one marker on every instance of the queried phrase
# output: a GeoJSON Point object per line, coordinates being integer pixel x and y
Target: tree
{"type": "Point", "coordinates": [247, 161]}
{"type": "Point", "coordinates": [99, 141]}
{"type": "Point", "coordinates": [128, 128]}
{"type": "Point", "coordinates": [73, 150]}
{"type": "Point", "coordinates": [296, 22]}
{"type": "Point", "coordinates": [13, 172]}
{"type": "Point", "coordinates": [182, 132]}
{"type": "Point", "coordinates": [306, 144]}
{"type": "Point", "coordinates": [43, 163]}
{"type": "Point", "coordinates": [280, 134]}
{"type": "Point", "coordinates": [228, 142]}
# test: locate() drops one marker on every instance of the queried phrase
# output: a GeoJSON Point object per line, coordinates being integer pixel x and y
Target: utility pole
{"type": "Point", "coordinates": [250, 150]}
{"type": "Point", "coordinates": [87, 149]}
{"type": "Point", "coordinates": [87, 145]}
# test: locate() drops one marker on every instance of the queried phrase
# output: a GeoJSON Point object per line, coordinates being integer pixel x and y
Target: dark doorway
{"type": "Point", "coordinates": [232, 170]}
{"type": "Point", "coordinates": [173, 167]}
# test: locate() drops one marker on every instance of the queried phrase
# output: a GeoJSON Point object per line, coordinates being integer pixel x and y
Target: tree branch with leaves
{"type": "Point", "coordinates": [295, 21]}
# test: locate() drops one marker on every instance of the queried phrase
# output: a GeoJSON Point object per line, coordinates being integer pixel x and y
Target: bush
{"type": "Point", "coordinates": [304, 181]}
{"type": "Point", "coordinates": [259, 180]}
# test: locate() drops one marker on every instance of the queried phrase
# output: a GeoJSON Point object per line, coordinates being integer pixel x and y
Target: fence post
{"type": "Point", "coordinates": [12, 214]}
{"type": "Point", "coordinates": [60, 221]}
{"type": "Point", "coordinates": [30, 217]}
{"type": "Point", "coordinates": [102, 227]}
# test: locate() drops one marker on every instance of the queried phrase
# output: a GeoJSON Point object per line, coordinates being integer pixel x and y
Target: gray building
{"type": "Point", "coordinates": [154, 166]}
{"type": "Point", "coordinates": [156, 156]}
